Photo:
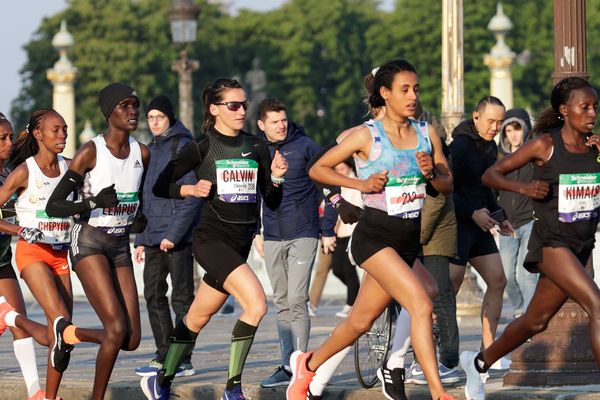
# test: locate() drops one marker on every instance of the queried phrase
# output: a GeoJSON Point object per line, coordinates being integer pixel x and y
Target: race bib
{"type": "Point", "coordinates": [578, 197]}
{"type": "Point", "coordinates": [236, 180]}
{"type": "Point", "coordinates": [404, 196]}
{"type": "Point", "coordinates": [56, 230]}
{"type": "Point", "coordinates": [116, 220]}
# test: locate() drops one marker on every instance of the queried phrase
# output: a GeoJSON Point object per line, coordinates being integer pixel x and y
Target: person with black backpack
{"type": "Point", "coordinates": [165, 244]}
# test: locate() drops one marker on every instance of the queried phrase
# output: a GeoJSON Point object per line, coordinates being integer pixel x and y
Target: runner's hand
{"type": "Point", "coordinates": [106, 198]}
{"type": "Point", "coordinates": [31, 235]}
{"type": "Point", "coordinates": [535, 189]}
{"type": "Point", "coordinates": [202, 188]}
{"type": "Point", "coordinates": [425, 163]}
{"type": "Point", "coordinates": [374, 183]}
{"type": "Point", "coordinates": [594, 140]}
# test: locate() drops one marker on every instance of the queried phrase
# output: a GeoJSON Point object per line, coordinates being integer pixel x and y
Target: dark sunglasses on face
{"type": "Point", "coordinates": [235, 105]}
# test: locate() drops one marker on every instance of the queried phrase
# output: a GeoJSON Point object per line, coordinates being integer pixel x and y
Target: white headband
{"type": "Point", "coordinates": [374, 71]}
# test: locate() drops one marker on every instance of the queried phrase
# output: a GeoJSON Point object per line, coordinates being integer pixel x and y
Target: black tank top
{"type": "Point", "coordinates": [239, 168]}
{"type": "Point", "coordinates": [574, 180]}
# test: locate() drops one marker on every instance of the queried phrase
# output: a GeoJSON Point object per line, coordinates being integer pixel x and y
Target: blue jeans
{"type": "Point", "coordinates": [520, 283]}
{"type": "Point", "coordinates": [179, 263]}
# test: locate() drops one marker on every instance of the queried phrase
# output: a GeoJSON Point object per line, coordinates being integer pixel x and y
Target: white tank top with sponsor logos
{"type": "Point", "coordinates": [126, 174]}
{"type": "Point", "coordinates": [30, 206]}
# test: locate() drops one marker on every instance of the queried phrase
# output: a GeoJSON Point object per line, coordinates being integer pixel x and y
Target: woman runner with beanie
{"type": "Point", "coordinates": [107, 171]}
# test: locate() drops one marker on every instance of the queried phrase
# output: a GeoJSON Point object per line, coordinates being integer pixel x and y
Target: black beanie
{"type": "Point", "coordinates": [163, 104]}
{"type": "Point", "coordinates": [112, 95]}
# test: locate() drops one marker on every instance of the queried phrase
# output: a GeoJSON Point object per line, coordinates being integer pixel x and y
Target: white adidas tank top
{"type": "Point", "coordinates": [126, 174]}
{"type": "Point", "coordinates": [30, 206]}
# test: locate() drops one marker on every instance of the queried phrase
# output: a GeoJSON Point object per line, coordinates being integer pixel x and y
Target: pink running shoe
{"type": "Point", "coordinates": [301, 376]}
{"type": "Point", "coordinates": [4, 308]}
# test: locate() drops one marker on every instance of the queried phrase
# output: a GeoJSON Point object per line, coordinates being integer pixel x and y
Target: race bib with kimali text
{"type": "Point", "coordinates": [578, 197]}
{"type": "Point", "coordinates": [236, 180]}
{"type": "Point", "coordinates": [404, 196]}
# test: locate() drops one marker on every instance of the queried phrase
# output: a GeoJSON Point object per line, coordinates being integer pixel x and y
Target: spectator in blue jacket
{"type": "Point", "coordinates": [291, 233]}
{"type": "Point", "coordinates": [165, 243]}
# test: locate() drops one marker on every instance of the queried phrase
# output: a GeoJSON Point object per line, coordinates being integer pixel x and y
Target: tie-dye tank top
{"type": "Point", "coordinates": [404, 192]}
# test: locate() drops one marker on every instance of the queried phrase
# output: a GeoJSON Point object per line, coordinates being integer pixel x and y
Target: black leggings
{"type": "Point", "coordinates": [344, 270]}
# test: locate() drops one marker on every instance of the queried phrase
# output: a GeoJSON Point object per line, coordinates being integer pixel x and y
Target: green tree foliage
{"type": "Point", "coordinates": [412, 32]}
{"type": "Point", "coordinates": [314, 53]}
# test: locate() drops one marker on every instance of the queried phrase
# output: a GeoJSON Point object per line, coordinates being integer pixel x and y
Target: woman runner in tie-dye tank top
{"type": "Point", "coordinates": [401, 164]}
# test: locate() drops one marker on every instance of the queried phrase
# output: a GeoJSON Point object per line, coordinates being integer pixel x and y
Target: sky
{"type": "Point", "coordinates": [20, 20]}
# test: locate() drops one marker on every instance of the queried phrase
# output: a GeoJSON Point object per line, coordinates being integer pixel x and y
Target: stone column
{"type": "Point", "coordinates": [570, 52]}
{"type": "Point", "coordinates": [562, 355]}
{"type": "Point", "coordinates": [453, 103]}
{"type": "Point", "coordinates": [500, 59]}
{"type": "Point", "coordinates": [184, 68]}
{"type": "Point", "coordinates": [63, 76]}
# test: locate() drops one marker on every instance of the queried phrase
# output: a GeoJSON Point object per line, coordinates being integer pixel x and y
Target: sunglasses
{"type": "Point", "coordinates": [234, 105]}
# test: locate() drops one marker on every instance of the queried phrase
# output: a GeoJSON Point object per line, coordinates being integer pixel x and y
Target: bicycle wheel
{"type": "Point", "coordinates": [371, 349]}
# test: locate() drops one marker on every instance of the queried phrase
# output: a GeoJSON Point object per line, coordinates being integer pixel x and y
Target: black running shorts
{"type": "Point", "coordinates": [219, 255]}
{"type": "Point", "coordinates": [376, 230]}
{"type": "Point", "coordinates": [7, 272]}
{"type": "Point", "coordinates": [87, 241]}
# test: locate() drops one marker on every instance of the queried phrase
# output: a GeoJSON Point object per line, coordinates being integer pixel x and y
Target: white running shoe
{"type": "Point", "coordinates": [343, 313]}
{"type": "Point", "coordinates": [501, 364]}
{"type": "Point", "coordinates": [475, 381]}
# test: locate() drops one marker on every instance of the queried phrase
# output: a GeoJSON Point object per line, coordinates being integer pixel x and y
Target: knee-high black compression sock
{"type": "Point", "coordinates": [182, 343]}
{"type": "Point", "coordinates": [241, 341]}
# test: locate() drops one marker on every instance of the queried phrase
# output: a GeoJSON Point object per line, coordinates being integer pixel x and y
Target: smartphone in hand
{"type": "Point", "coordinates": [499, 215]}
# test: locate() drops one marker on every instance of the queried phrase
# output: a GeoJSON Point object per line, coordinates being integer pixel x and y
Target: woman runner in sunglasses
{"type": "Point", "coordinates": [231, 166]}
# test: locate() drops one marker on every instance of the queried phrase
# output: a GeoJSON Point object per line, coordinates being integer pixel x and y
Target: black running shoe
{"type": "Point", "coordinates": [392, 383]}
{"type": "Point", "coordinates": [61, 351]}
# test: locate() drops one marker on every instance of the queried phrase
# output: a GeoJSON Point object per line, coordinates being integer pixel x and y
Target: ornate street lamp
{"type": "Point", "coordinates": [183, 16]}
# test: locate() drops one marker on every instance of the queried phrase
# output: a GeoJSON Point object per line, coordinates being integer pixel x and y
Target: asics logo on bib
{"type": "Point", "coordinates": [413, 214]}
{"type": "Point", "coordinates": [240, 197]}
{"type": "Point", "coordinates": [116, 231]}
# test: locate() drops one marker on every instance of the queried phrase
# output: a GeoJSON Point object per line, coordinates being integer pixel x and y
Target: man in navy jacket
{"type": "Point", "coordinates": [165, 243]}
{"type": "Point", "coordinates": [291, 233]}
